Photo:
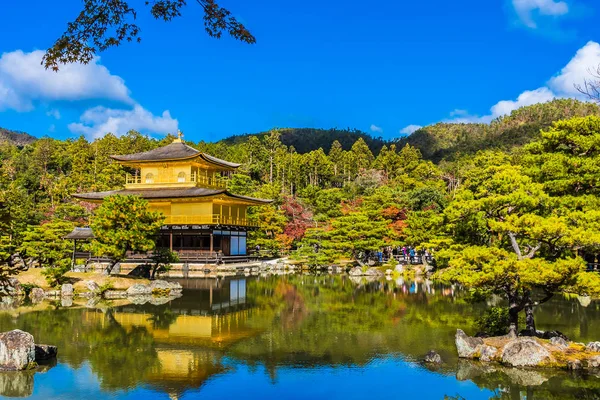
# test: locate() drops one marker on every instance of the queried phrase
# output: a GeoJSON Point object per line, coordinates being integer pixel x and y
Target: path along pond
{"type": "Point", "coordinates": [285, 337]}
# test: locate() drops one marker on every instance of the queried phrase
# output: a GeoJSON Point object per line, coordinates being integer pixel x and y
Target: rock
{"type": "Point", "coordinates": [36, 295]}
{"type": "Point", "coordinates": [467, 346]}
{"type": "Point", "coordinates": [559, 342]}
{"type": "Point", "coordinates": [524, 352]}
{"type": "Point", "coordinates": [114, 294]}
{"type": "Point", "coordinates": [593, 346]}
{"type": "Point", "coordinates": [92, 302]}
{"type": "Point", "coordinates": [593, 362]}
{"type": "Point", "coordinates": [433, 357]}
{"type": "Point", "coordinates": [66, 290]}
{"type": "Point", "coordinates": [246, 271]}
{"type": "Point", "coordinates": [399, 268]}
{"type": "Point", "coordinates": [356, 271]}
{"type": "Point", "coordinates": [388, 271]}
{"type": "Point", "coordinates": [487, 353]}
{"type": "Point", "coordinates": [525, 377]}
{"type": "Point", "coordinates": [17, 350]}
{"type": "Point", "coordinates": [92, 287]}
{"type": "Point", "coordinates": [45, 352]}
{"type": "Point", "coordinates": [139, 290]}
{"type": "Point", "coordinates": [574, 365]}
{"type": "Point", "coordinates": [13, 287]}
{"type": "Point", "coordinates": [140, 299]}
{"type": "Point", "coordinates": [373, 272]}
{"type": "Point", "coordinates": [584, 300]}
{"type": "Point", "coordinates": [66, 301]}
{"type": "Point", "coordinates": [553, 334]}
{"type": "Point", "coordinates": [16, 384]}
{"type": "Point", "coordinates": [165, 286]}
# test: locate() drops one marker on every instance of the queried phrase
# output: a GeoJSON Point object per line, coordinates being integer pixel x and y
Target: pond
{"type": "Point", "coordinates": [287, 337]}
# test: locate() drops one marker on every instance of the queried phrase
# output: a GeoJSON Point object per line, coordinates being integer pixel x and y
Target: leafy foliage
{"type": "Point", "coordinates": [122, 224]}
{"type": "Point", "coordinates": [103, 24]}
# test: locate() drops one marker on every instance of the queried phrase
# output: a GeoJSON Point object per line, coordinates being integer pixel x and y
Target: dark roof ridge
{"type": "Point", "coordinates": [173, 151]}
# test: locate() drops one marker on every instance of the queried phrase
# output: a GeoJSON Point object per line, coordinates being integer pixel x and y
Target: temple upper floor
{"type": "Point", "coordinates": [175, 165]}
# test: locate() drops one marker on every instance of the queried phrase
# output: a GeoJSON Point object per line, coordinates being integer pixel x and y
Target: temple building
{"type": "Point", "coordinates": [189, 187]}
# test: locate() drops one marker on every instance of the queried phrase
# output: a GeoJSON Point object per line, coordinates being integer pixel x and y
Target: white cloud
{"type": "Point", "coordinates": [577, 70]}
{"type": "Point", "coordinates": [52, 128]}
{"type": "Point", "coordinates": [407, 130]}
{"type": "Point", "coordinates": [527, 9]}
{"type": "Point", "coordinates": [458, 113]}
{"type": "Point", "coordinates": [98, 121]}
{"type": "Point", "coordinates": [23, 81]}
{"type": "Point", "coordinates": [375, 128]}
{"type": "Point", "coordinates": [560, 86]}
{"type": "Point", "coordinates": [53, 113]}
{"type": "Point", "coordinates": [527, 98]}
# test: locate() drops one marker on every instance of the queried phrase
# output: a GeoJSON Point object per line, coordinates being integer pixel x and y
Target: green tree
{"type": "Point", "coordinates": [104, 24]}
{"type": "Point", "coordinates": [45, 245]}
{"type": "Point", "coordinates": [161, 261]}
{"type": "Point", "coordinates": [509, 237]}
{"type": "Point", "coordinates": [122, 224]}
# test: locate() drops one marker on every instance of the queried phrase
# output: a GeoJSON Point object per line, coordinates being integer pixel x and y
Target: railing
{"type": "Point", "coordinates": [200, 180]}
{"type": "Point", "coordinates": [214, 219]}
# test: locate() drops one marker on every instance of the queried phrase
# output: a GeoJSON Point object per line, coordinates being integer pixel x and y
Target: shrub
{"type": "Point", "coordinates": [495, 321]}
{"type": "Point", "coordinates": [55, 276]}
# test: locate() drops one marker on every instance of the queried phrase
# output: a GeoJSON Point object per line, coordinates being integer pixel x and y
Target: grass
{"type": "Point", "coordinates": [34, 276]}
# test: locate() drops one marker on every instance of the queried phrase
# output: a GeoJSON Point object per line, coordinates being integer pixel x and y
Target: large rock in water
{"type": "Point", "coordinates": [593, 346]}
{"type": "Point", "coordinates": [433, 358]}
{"type": "Point", "coordinates": [373, 272]}
{"type": "Point", "coordinates": [17, 350]}
{"type": "Point", "coordinates": [139, 290]}
{"type": "Point", "coordinates": [37, 294]}
{"type": "Point", "coordinates": [92, 286]}
{"type": "Point", "coordinates": [524, 352]}
{"type": "Point", "coordinates": [467, 346]}
{"type": "Point", "coordinates": [16, 384]}
{"type": "Point", "coordinates": [66, 290]}
{"type": "Point", "coordinates": [45, 352]}
{"type": "Point", "coordinates": [356, 271]}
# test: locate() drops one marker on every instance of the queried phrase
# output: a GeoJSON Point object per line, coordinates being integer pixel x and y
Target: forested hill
{"type": "Point", "coordinates": [306, 140]}
{"type": "Point", "coordinates": [444, 141]}
{"type": "Point", "coordinates": [15, 137]}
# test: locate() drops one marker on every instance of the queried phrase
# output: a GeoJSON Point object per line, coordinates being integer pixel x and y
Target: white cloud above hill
{"type": "Point", "coordinates": [97, 121]}
{"type": "Point", "coordinates": [23, 81]}
{"type": "Point", "coordinates": [562, 85]}
{"type": "Point", "coordinates": [25, 85]}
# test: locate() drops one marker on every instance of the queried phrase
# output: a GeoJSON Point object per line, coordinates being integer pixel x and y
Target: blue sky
{"type": "Point", "coordinates": [383, 66]}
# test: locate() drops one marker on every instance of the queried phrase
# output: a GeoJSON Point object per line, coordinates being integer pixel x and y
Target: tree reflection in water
{"type": "Point", "coordinates": [288, 321]}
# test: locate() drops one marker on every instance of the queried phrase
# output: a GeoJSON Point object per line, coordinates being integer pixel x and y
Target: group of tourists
{"type": "Point", "coordinates": [408, 254]}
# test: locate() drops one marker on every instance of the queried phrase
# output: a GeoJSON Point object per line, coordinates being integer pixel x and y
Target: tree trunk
{"type": "Point", "coordinates": [529, 320]}
{"type": "Point", "coordinates": [513, 313]}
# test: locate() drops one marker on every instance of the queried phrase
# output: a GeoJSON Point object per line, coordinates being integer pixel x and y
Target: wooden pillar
{"type": "Point", "coordinates": [171, 240]}
{"type": "Point", "coordinates": [211, 242]}
{"type": "Point", "coordinates": [74, 249]}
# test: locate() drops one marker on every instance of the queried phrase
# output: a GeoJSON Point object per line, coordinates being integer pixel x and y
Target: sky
{"type": "Point", "coordinates": [385, 67]}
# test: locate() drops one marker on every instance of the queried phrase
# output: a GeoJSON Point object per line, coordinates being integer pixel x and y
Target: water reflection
{"type": "Point", "coordinates": [236, 329]}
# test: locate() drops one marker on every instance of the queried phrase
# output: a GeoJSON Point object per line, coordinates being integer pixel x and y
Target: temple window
{"type": "Point", "coordinates": [149, 177]}
{"type": "Point", "coordinates": [181, 177]}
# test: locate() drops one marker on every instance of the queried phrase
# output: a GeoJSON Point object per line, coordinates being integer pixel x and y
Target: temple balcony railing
{"type": "Point", "coordinates": [193, 179]}
{"type": "Point", "coordinates": [214, 219]}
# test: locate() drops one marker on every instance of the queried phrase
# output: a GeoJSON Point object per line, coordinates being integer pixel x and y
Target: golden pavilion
{"type": "Point", "coordinates": [189, 187]}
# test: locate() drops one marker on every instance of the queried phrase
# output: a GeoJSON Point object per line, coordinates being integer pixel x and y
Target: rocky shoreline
{"type": "Point", "coordinates": [155, 292]}
{"type": "Point", "coordinates": [19, 352]}
{"type": "Point", "coordinates": [510, 351]}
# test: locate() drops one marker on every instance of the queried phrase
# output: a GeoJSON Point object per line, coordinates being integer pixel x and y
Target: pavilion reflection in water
{"type": "Point", "coordinates": [189, 333]}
